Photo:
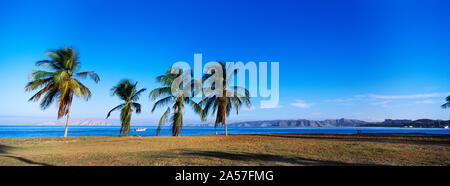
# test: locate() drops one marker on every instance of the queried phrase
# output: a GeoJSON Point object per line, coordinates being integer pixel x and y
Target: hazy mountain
{"type": "Point", "coordinates": [79, 123]}
{"type": "Point", "coordinates": [420, 123]}
{"type": "Point", "coordinates": [295, 123]}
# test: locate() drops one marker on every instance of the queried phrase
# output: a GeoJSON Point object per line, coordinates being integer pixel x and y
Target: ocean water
{"type": "Point", "coordinates": [58, 131]}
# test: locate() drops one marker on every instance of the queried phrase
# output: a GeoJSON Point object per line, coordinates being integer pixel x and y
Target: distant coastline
{"type": "Point", "coordinates": [420, 123]}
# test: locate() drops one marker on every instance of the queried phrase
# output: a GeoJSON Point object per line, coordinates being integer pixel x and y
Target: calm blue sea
{"type": "Point", "coordinates": [58, 131]}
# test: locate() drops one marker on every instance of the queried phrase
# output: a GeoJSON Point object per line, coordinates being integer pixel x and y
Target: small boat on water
{"type": "Point", "coordinates": [140, 129]}
{"type": "Point", "coordinates": [446, 127]}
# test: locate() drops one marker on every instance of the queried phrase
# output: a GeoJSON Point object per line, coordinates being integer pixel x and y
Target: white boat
{"type": "Point", "coordinates": [446, 127]}
{"type": "Point", "coordinates": [140, 129]}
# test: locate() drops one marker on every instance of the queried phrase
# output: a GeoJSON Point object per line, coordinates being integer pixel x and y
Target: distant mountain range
{"type": "Point", "coordinates": [421, 123]}
{"type": "Point", "coordinates": [78, 123]}
{"type": "Point", "coordinates": [296, 123]}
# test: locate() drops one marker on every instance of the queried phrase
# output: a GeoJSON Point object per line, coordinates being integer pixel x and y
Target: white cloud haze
{"type": "Point", "coordinates": [301, 104]}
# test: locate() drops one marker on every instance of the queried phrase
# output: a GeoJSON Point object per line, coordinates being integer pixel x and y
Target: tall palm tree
{"type": "Point", "coordinates": [222, 105]}
{"type": "Point", "coordinates": [127, 92]}
{"type": "Point", "coordinates": [446, 105]}
{"type": "Point", "coordinates": [175, 104]}
{"type": "Point", "coordinates": [61, 82]}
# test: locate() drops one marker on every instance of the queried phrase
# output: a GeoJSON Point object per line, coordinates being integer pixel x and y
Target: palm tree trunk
{"type": "Point", "coordinates": [67, 122]}
{"type": "Point", "coordinates": [128, 124]}
{"type": "Point", "coordinates": [224, 121]}
{"type": "Point", "coordinates": [226, 131]}
{"type": "Point", "coordinates": [180, 108]}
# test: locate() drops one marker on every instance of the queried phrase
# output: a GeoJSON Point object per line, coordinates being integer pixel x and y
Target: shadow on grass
{"type": "Point", "coordinates": [4, 153]}
{"type": "Point", "coordinates": [366, 138]}
{"type": "Point", "coordinates": [26, 160]}
{"type": "Point", "coordinates": [271, 158]}
{"type": "Point", "coordinates": [4, 149]}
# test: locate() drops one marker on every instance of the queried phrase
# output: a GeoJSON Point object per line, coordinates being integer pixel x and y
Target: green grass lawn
{"type": "Point", "coordinates": [251, 149]}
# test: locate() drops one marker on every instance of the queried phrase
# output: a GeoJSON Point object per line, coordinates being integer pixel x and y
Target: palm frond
{"type": "Point", "coordinates": [65, 100]}
{"type": "Point", "coordinates": [36, 83]}
{"type": "Point", "coordinates": [208, 102]}
{"type": "Point", "coordinates": [137, 106]}
{"type": "Point", "coordinates": [136, 95]}
{"type": "Point", "coordinates": [61, 76]}
{"type": "Point", "coordinates": [83, 90]}
{"type": "Point", "coordinates": [48, 98]}
{"type": "Point", "coordinates": [49, 63]}
{"type": "Point", "coordinates": [36, 96]}
{"type": "Point", "coordinates": [124, 89]}
{"type": "Point", "coordinates": [39, 74]}
{"type": "Point", "coordinates": [91, 74]}
{"type": "Point", "coordinates": [198, 109]}
{"type": "Point", "coordinates": [446, 105]}
{"type": "Point", "coordinates": [162, 120]}
{"type": "Point", "coordinates": [115, 108]}
{"type": "Point", "coordinates": [236, 103]}
{"type": "Point", "coordinates": [159, 92]}
{"type": "Point", "coordinates": [162, 102]}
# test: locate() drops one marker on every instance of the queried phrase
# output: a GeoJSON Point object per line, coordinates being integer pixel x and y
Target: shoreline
{"type": "Point", "coordinates": [317, 134]}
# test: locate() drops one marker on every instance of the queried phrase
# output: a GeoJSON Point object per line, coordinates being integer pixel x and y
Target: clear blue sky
{"type": "Point", "coordinates": [359, 59]}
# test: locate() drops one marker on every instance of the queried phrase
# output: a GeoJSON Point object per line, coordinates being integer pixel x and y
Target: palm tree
{"type": "Point", "coordinates": [126, 91]}
{"type": "Point", "coordinates": [175, 104]}
{"type": "Point", "coordinates": [222, 105]}
{"type": "Point", "coordinates": [446, 105]}
{"type": "Point", "coordinates": [60, 83]}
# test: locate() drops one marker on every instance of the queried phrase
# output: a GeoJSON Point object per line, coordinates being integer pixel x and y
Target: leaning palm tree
{"type": "Point", "coordinates": [175, 104]}
{"type": "Point", "coordinates": [223, 98]}
{"type": "Point", "coordinates": [446, 105]}
{"type": "Point", "coordinates": [61, 82]}
{"type": "Point", "coordinates": [127, 92]}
